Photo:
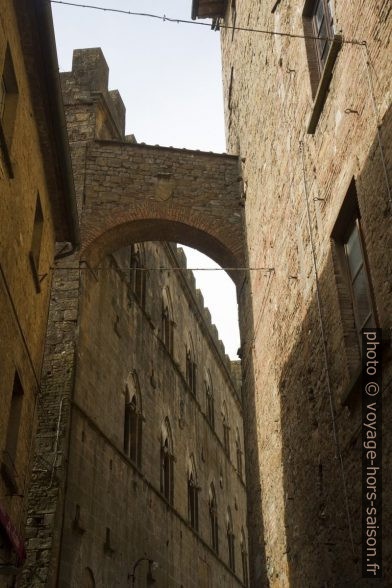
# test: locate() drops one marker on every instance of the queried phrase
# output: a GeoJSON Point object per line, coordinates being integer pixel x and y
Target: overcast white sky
{"type": "Point", "coordinates": [169, 77]}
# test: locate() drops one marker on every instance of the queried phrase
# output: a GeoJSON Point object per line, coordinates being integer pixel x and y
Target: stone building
{"type": "Point", "coordinates": [142, 419]}
{"type": "Point", "coordinates": [37, 210]}
{"type": "Point", "coordinates": [308, 110]}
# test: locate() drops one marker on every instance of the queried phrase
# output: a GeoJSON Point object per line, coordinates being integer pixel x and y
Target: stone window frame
{"type": "Point", "coordinates": [213, 516]}
{"type": "Point", "coordinates": [210, 402]}
{"type": "Point", "coordinates": [244, 559]}
{"type": "Point", "coordinates": [138, 273]}
{"type": "Point", "coordinates": [226, 429]}
{"type": "Point", "coordinates": [133, 420]}
{"type": "Point", "coordinates": [230, 539]}
{"type": "Point", "coordinates": [349, 217]}
{"type": "Point", "coordinates": [190, 365]}
{"type": "Point", "coordinates": [193, 495]}
{"type": "Point", "coordinates": [167, 321]}
{"type": "Point", "coordinates": [239, 453]}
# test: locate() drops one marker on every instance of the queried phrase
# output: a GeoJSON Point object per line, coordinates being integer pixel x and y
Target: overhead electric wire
{"type": "Point", "coordinates": [165, 18]}
{"type": "Point", "coordinates": [168, 269]}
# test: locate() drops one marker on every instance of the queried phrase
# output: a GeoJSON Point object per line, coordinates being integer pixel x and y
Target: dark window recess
{"type": "Point", "coordinates": [133, 431]}
{"type": "Point", "coordinates": [9, 95]}
{"type": "Point", "coordinates": [213, 512]}
{"type": "Point", "coordinates": [167, 322]}
{"type": "Point", "coordinates": [138, 275]}
{"type": "Point", "coordinates": [233, 17]}
{"type": "Point", "coordinates": [244, 559]}
{"type": "Point", "coordinates": [167, 462]}
{"type": "Point", "coordinates": [226, 432]}
{"type": "Point", "coordinates": [9, 469]}
{"type": "Point", "coordinates": [210, 405]}
{"type": "Point", "coordinates": [239, 453]}
{"type": "Point", "coordinates": [319, 25]}
{"type": "Point", "coordinates": [191, 369]}
{"type": "Point", "coordinates": [193, 501]}
{"type": "Point", "coordinates": [322, 48]}
{"type": "Point", "coordinates": [352, 278]}
{"type": "Point", "coordinates": [230, 541]}
{"type": "Point", "coordinates": [35, 251]}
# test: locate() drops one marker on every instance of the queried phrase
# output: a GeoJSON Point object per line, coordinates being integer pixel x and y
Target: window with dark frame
{"type": "Point", "coordinates": [352, 277]}
{"type": "Point", "coordinates": [319, 29]}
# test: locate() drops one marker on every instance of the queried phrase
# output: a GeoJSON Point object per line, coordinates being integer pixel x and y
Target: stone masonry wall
{"type": "Point", "coordinates": [105, 489]}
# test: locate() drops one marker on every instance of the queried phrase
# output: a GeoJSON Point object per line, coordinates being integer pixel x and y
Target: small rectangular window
{"type": "Point", "coordinates": [8, 98]}
{"type": "Point", "coordinates": [35, 251]}
{"type": "Point", "coordinates": [319, 29]}
{"type": "Point", "coordinates": [14, 419]}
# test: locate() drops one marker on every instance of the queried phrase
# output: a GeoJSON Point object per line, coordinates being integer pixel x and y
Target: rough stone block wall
{"type": "Point", "coordinates": [302, 537]}
{"type": "Point", "coordinates": [107, 491]}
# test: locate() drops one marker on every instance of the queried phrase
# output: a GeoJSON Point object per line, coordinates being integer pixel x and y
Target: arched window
{"type": "Point", "coordinates": [209, 400]}
{"type": "Point", "coordinates": [244, 559]}
{"type": "Point", "coordinates": [193, 495]}
{"type": "Point", "coordinates": [230, 540]}
{"type": "Point", "coordinates": [167, 321]}
{"type": "Point", "coordinates": [138, 273]}
{"type": "Point", "coordinates": [133, 420]}
{"type": "Point", "coordinates": [226, 430]}
{"type": "Point", "coordinates": [213, 512]}
{"type": "Point", "coordinates": [238, 452]}
{"type": "Point", "coordinates": [167, 460]}
{"type": "Point", "coordinates": [191, 366]}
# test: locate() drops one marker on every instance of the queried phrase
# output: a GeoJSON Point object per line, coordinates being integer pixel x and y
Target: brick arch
{"type": "Point", "coordinates": [112, 238]}
{"type": "Point", "coordinates": [136, 193]}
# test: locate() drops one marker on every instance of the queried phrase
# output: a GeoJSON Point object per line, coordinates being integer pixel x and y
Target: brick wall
{"type": "Point", "coordinates": [302, 536]}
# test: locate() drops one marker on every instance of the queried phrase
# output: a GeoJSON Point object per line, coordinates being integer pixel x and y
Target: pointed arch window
{"type": "Point", "coordinates": [230, 540]}
{"type": "Point", "coordinates": [226, 430]}
{"type": "Point", "coordinates": [191, 367]}
{"type": "Point", "coordinates": [193, 496]}
{"type": "Point", "coordinates": [213, 512]}
{"type": "Point", "coordinates": [210, 411]}
{"type": "Point", "coordinates": [167, 321]}
{"type": "Point", "coordinates": [238, 452]}
{"type": "Point", "coordinates": [138, 274]}
{"type": "Point", "coordinates": [167, 461]}
{"type": "Point", "coordinates": [133, 420]}
{"type": "Point", "coordinates": [244, 559]}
